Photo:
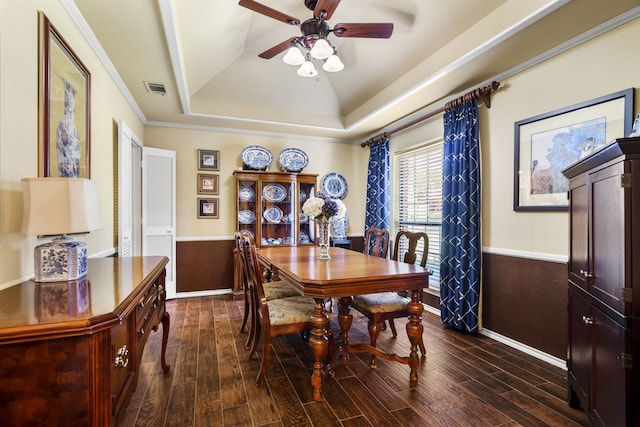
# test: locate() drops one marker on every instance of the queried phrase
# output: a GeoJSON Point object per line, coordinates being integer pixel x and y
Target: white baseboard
{"type": "Point", "coordinates": [552, 360]}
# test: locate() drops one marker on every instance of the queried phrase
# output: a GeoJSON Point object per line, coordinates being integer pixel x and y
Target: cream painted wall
{"type": "Point", "coordinates": [596, 68]}
{"type": "Point", "coordinates": [19, 129]}
{"type": "Point", "coordinates": [350, 160]}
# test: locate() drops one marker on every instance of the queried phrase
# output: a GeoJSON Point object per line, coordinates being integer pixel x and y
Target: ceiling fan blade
{"type": "Point", "coordinates": [325, 8]}
{"type": "Point", "coordinates": [281, 47]}
{"type": "Point", "coordinates": [267, 11]}
{"type": "Point", "coordinates": [380, 30]}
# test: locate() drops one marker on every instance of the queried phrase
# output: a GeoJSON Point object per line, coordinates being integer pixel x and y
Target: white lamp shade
{"type": "Point", "coordinates": [333, 64]}
{"type": "Point", "coordinates": [293, 56]}
{"type": "Point", "coordinates": [321, 49]}
{"type": "Point", "coordinates": [307, 70]}
{"type": "Point", "coordinates": [60, 206]}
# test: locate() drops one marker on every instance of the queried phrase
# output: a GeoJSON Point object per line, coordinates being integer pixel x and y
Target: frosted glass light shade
{"type": "Point", "coordinates": [293, 56]}
{"type": "Point", "coordinates": [333, 64]}
{"type": "Point", "coordinates": [321, 49]}
{"type": "Point", "coordinates": [307, 70]}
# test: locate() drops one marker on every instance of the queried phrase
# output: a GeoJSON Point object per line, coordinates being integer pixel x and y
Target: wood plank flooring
{"type": "Point", "coordinates": [464, 380]}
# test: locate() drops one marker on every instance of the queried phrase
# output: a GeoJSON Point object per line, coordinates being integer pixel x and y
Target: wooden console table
{"type": "Point", "coordinates": [70, 351]}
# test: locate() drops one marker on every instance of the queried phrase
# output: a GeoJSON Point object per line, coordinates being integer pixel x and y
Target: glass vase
{"type": "Point", "coordinates": [323, 239]}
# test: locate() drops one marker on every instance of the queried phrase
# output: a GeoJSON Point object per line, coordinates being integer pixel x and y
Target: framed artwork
{"type": "Point", "coordinates": [547, 144]}
{"type": "Point", "coordinates": [208, 208]}
{"type": "Point", "coordinates": [64, 100]}
{"type": "Point", "coordinates": [208, 160]}
{"type": "Point", "coordinates": [207, 183]}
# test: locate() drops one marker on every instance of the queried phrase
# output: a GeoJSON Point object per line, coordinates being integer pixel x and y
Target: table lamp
{"type": "Point", "coordinates": [57, 207]}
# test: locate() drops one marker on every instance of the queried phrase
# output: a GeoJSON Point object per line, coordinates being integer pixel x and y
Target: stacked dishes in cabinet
{"type": "Point", "coordinates": [246, 208]}
{"type": "Point", "coordinates": [277, 215]}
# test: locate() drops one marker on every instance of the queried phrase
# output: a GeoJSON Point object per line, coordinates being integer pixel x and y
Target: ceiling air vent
{"type": "Point", "coordinates": [156, 88]}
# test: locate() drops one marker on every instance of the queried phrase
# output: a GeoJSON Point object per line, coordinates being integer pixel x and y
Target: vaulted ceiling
{"type": "Point", "coordinates": [205, 52]}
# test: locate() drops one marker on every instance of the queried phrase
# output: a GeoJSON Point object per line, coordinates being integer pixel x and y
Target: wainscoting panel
{"type": "Point", "coordinates": [526, 300]}
{"type": "Point", "coordinates": [204, 265]}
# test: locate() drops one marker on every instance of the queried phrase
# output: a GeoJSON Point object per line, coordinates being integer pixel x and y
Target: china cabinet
{"type": "Point", "coordinates": [604, 284]}
{"type": "Point", "coordinates": [269, 207]}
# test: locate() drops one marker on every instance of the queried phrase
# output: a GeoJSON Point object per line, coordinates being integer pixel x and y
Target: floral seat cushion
{"type": "Point", "coordinates": [286, 311]}
{"type": "Point", "coordinates": [381, 303]}
{"type": "Point", "coordinates": [277, 290]}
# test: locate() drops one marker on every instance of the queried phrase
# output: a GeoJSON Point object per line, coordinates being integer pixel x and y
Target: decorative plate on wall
{"type": "Point", "coordinates": [293, 159]}
{"type": "Point", "coordinates": [274, 192]}
{"type": "Point", "coordinates": [256, 157]}
{"type": "Point", "coordinates": [273, 214]}
{"type": "Point", "coordinates": [246, 217]}
{"type": "Point", "coordinates": [334, 185]}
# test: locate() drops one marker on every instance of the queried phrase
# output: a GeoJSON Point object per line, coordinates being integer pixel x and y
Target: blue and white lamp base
{"type": "Point", "coordinates": [60, 260]}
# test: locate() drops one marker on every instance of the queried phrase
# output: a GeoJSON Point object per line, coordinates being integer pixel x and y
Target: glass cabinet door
{"type": "Point", "coordinates": [306, 233]}
{"type": "Point", "coordinates": [247, 203]}
{"type": "Point", "coordinates": [278, 213]}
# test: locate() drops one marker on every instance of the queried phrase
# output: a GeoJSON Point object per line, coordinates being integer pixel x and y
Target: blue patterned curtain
{"type": "Point", "coordinates": [461, 246]}
{"type": "Point", "coordinates": [378, 210]}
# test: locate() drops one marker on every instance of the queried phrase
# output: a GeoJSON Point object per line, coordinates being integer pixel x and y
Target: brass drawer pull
{"type": "Point", "coordinates": [587, 320]}
{"type": "Point", "coordinates": [122, 358]}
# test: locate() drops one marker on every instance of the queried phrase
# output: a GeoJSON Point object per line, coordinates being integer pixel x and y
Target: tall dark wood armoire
{"type": "Point", "coordinates": [604, 284]}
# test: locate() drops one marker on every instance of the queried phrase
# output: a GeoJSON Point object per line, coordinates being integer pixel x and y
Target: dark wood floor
{"type": "Point", "coordinates": [464, 380]}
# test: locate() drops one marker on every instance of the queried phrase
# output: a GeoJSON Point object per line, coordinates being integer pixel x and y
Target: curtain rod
{"type": "Point", "coordinates": [483, 94]}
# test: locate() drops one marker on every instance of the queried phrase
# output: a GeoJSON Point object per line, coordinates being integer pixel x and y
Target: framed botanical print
{"type": "Point", "coordinates": [64, 100]}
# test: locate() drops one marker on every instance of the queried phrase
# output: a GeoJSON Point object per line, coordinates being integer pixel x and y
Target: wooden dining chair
{"type": "Point", "coordinates": [273, 290]}
{"type": "Point", "coordinates": [390, 305]}
{"type": "Point", "coordinates": [376, 242]}
{"type": "Point", "coordinates": [274, 317]}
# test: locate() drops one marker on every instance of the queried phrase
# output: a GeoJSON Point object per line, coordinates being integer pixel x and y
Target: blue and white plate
{"type": "Point", "coordinates": [256, 157]}
{"type": "Point", "coordinates": [334, 185]}
{"type": "Point", "coordinates": [272, 214]}
{"type": "Point", "coordinates": [293, 159]}
{"type": "Point", "coordinates": [246, 194]}
{"type": "Point", "coordinates": [246, 217]}
{"type": "Point", "coordinates": [274, 192]}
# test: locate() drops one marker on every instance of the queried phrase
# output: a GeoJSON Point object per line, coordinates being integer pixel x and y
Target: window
{"type": "Point", "coordinates": [419, 201]}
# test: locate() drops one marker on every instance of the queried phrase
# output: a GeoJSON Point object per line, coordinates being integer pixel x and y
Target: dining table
{"type": "Point", "coordinates": [347, 274]}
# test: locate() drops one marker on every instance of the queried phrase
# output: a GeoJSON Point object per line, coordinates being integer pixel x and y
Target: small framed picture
{"type": "Point", "coordinates": [207, 183]}
{"type": "Point", "coordinates": [208, 208]}
{"type": "Point", "coordinates": [208, 160]}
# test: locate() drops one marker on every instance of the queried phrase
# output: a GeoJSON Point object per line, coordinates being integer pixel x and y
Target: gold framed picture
{"type": "Point", "coordinates": [208, 208]}
{"type": "Point", "coordinates": [208, 160]}
{"type": "Point", "coordinates": [64, 100]}
{"type": "Point", "coordinates": [207, 183]}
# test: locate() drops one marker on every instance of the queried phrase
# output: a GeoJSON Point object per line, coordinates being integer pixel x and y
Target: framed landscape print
{"type": "Point", "coordinates": [64, 99]}
{"type": "Point", "coordinates": [207, 183]}
{"type": "Point", "coordinates": [208, 208]}
{"type": "Point", "coordinates": [208, 160]}
{"type": "Point", "coordinates": [547, 144]}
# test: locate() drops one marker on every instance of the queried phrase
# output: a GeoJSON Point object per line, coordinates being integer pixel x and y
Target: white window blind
{"type": "Point", "coordinates": [420, 200]}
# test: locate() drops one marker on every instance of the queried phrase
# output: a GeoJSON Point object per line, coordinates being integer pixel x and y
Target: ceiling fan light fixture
{"type": "Point", "coordinates": [293, 56]}
{"type": "Point", "coordinates": [333, 64]}
{"type": "Point", "coordinates": [307, 69]}
{"type": "Point", "coordinates": [321, 49]}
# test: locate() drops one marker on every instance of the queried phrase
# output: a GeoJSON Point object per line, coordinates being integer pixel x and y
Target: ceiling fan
{"type": "Point", "coordinates": [314, 35]}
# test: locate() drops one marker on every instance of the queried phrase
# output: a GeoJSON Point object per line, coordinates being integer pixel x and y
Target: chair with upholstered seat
{"type": "Point", "coordinates": [376, 242]}
{"type": "Point", "coordinates": [273, 290]}
{"type": "Point", "coordinates": [390, 305]}
{"type": "Point", "coordinates": [274, 317]}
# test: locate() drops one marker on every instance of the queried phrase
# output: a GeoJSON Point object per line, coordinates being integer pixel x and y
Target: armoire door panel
{"type": "Point", "coordinates": [608, 237]}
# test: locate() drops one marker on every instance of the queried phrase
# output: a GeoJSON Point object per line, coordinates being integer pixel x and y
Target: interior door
{"type": "Point", "coordinates": [129, 191]}
{"type": "Point", "coordinates": [159, 209]}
